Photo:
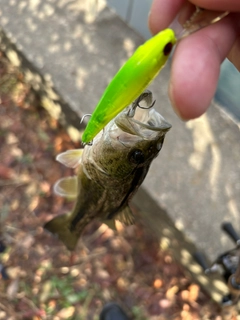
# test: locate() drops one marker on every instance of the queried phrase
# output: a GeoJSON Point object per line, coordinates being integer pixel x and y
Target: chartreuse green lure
{"type": "Point", "coordinates": [144, 65]}
{"type": "Point", "coordinates": [131, 80]}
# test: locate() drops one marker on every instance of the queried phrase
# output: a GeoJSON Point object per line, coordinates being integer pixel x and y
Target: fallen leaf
{"type": "Point", "coordinates": [193, 292]}
{"type": "Point", "coordinates": [5, 172]}
{"type": "Point", "coordinates": [66, 313]}
{"type": "Point", "coordinates": [11, 138]}
{"type": "Point", "coordinates": [45, 186]}
{"type": "Point", "coordinates": [185, 295]}
{"type": "Point", "coordinates": [122, 283]}
{"type": "Point", "coordinates": [26, 242]}
{"type": "Point", "coordinates": [34, 203]}
{"type": "Point", "coordinates": [3, 315]}
{"type": "Point", "coordinates": [157, 283]}
{"type": "Point", "coordinates": [12, 289]}
{"type": "Point", "coordinates": [165, 303]}
{"type": "Point", "coordinates": [170, 294]}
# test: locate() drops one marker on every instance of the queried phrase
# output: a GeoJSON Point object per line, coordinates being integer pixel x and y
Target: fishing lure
{"type": "Point", "coordinates": [130, 81]}
{"type": "Point", "coordinates": [141, 68]}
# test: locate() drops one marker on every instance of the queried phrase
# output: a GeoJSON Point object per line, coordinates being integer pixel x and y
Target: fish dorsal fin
{"type": "Point", "coordinates": [67, 187]}
{"type": "Point", "coordinates": [70, 158]}
{"type": "Point", "coordinates": [126, 216]}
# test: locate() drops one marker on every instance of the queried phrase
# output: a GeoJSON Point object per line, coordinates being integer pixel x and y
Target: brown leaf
{"type": "Point", "coordinates": [158, 283]}
{"type": "Point", "coordinates": [5, 172]}
{"type": "Point", "coordinates": [66, 313]}
{"type": "Point", "coordinates": [193, 292]}
{"type": "Point", "coordinates": [12, 289]}
{"type": "Point", "coordinates": [170, 294]}
{"type": "Point", "coordinates": [45, 186]}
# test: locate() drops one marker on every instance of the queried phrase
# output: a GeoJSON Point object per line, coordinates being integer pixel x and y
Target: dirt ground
{"type": "Point", "coordinates": [44, 281]}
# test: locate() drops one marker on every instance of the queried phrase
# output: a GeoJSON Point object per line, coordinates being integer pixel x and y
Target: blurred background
{"type": "Point", "coordinates": [60, 55]}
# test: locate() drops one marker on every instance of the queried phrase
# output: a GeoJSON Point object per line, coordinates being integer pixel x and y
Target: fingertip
{"type": "Point", "coordinates": [175, 105]}
{"type": "Point", "coordinates": [196, 67]}
{"type": "Point", "coordinates": [162, 13]}
{"type": "Point", "coordinates": [194, 75]}
{"type": "Point", "coordinates": [154, 20]}
{"type": "Point", "coordinates": [151, 23]}
{"type": "Point", "coordinates": [184, 105]}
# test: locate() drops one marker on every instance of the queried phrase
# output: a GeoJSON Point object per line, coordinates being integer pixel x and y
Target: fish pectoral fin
{"type": "Point", "coordinates": [70, 158]}
{"type": "Point", "coordinates": [110, 223]}
{"type": "Point", "coordinates": [126, 216]}
{"type": "Point", "coordinates": [59, 226]}
{"type": "Point", "coordinates": [67, 187]}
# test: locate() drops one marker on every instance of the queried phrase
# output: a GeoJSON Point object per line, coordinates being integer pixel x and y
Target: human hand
{"type": "Point", "coordinates": [197, 58]}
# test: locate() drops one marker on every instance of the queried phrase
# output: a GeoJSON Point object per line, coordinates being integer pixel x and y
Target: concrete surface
{"type": "Point", "coordinates": [134, 13]}
{"type": "Point", "coordinates": [228, 93]}
{"type": "Point", "coordinates": [70, 53]}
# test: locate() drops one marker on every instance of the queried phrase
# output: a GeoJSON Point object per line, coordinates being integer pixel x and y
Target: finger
{"type": "Point", "coordinates": [222, 5]}
{"type": "Point", "coordinates": [196, 67]}
{"type": "Point", "coordinates": [162, 13]}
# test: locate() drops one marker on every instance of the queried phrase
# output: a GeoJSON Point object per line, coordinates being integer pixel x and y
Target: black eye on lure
{"type": "Point", "coordinates": [167, 49]}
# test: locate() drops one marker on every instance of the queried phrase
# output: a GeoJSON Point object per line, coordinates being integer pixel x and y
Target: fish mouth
{"type": "Point", "coordinates": [142, 119]}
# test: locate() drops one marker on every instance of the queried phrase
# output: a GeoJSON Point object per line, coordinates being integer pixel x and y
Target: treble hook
{"type": "Point", "coordinates": [83, 117]}
{"type": "Point", "coordinates": [147, 96]}
{"type": "Point", "coordinates": [81, 121]}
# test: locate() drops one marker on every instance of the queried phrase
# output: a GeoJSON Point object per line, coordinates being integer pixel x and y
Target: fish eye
{"type": "Point", "coordinates": [136, 156]}
{"type": "Point", "coordinates": [167, 49]}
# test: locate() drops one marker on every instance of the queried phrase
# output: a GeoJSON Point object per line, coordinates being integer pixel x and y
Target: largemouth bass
{"type": "Point", "coordinates": [111, 169]}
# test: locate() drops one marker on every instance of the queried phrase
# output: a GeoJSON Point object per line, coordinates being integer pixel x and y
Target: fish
{"type": "Point", "coordinates": [110, 170]}
{"type": "Point", "coordinates": [142, 68]}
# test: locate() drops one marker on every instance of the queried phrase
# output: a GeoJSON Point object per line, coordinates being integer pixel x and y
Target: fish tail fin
{"type": "Point", "coordinates": [60, 226]}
